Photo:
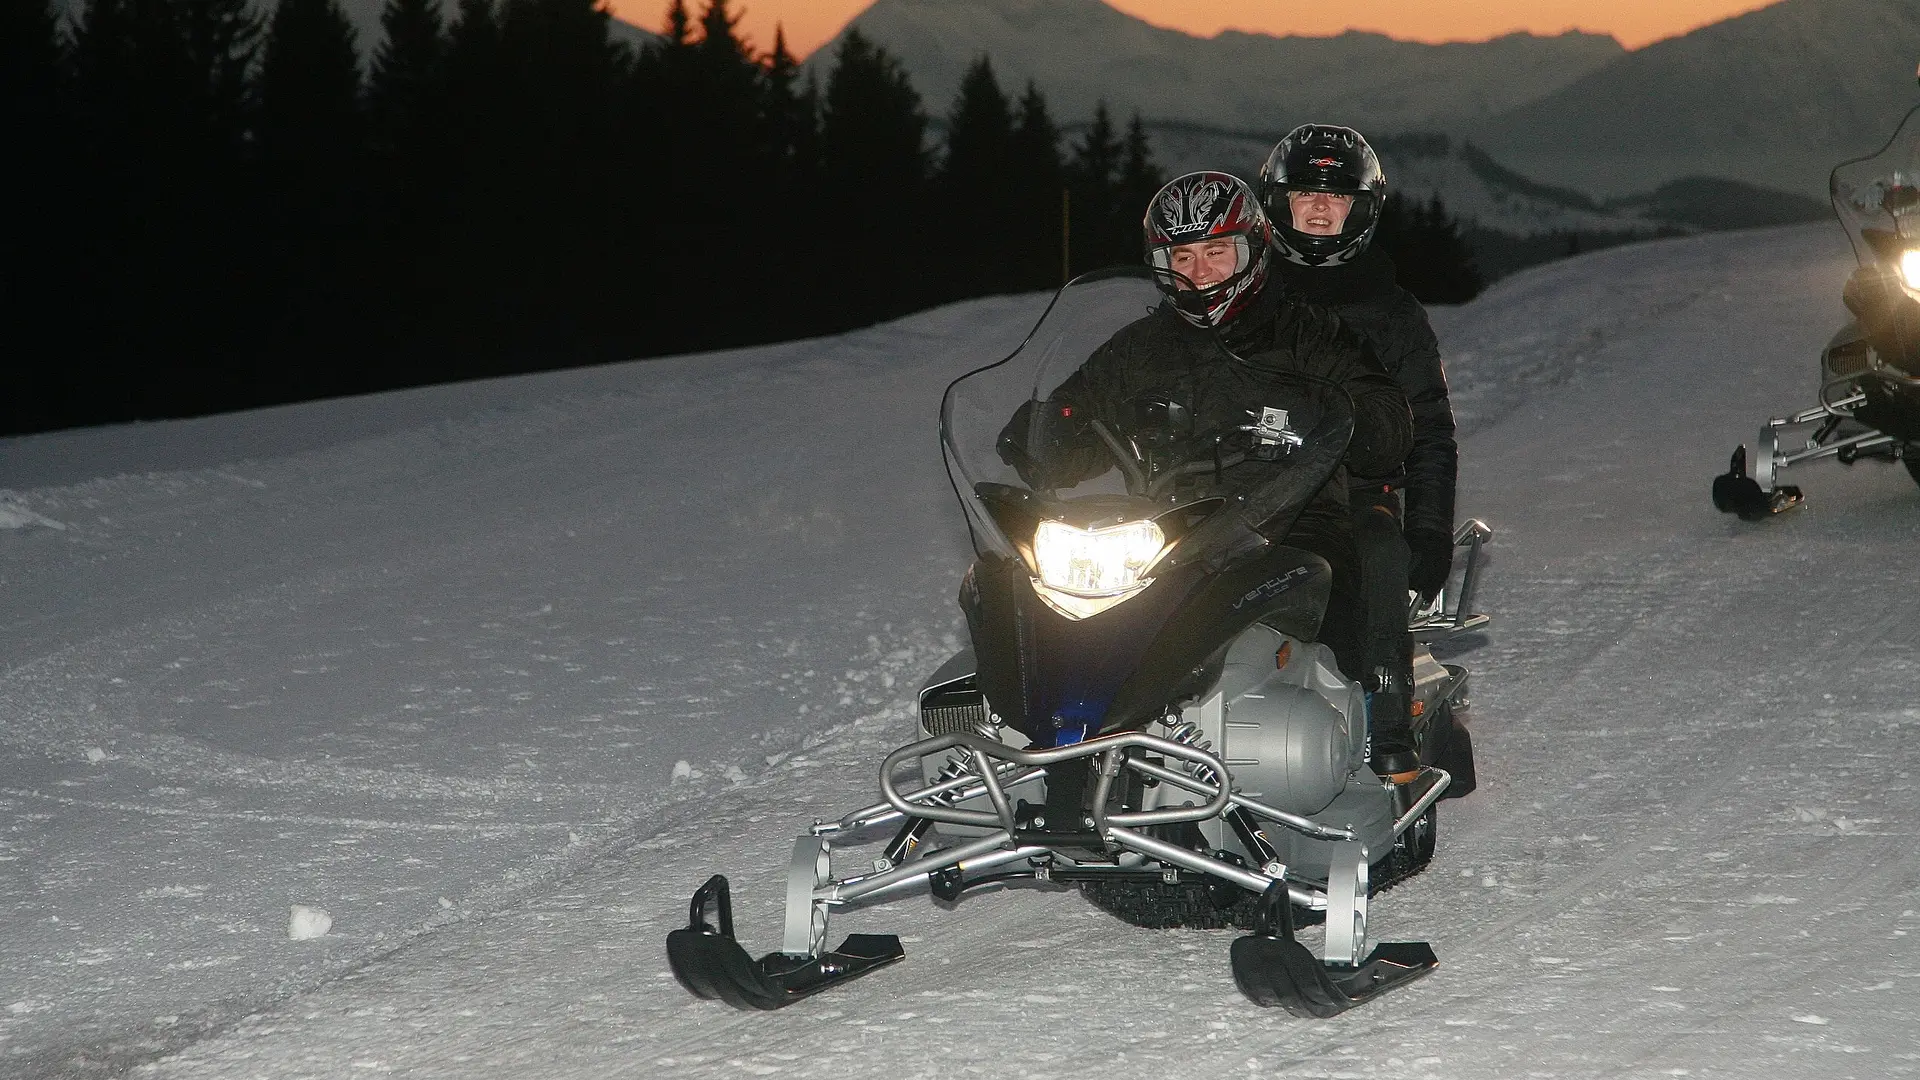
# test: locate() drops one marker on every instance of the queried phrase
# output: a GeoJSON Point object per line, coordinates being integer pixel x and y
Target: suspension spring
{"type": "Point", "coordinates": [1184, 731]}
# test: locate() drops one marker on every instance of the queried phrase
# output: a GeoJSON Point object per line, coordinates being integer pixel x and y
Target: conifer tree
{"type": "Point", "coordinates": [873, 165]}
{"type": "Point", "coordinates": [1431, 257]}
{"type": "Point", "coordinates": [31, 55]}
{"type": "Point", "coordinates": [310, 118]}
{"type": "Point", "coordinates": [34, 266]}
{"type": "Point", "coordinates": [679, 29]}
{"type": "Point", "coordinates": [1093, 179]}
{"type": "Point", "coordinates": [1139, 177]}
{"type": "Point", "coordinates": [404, 81]}
{"type": "Point", "coordinates": [977, 186]}
{"type": "Point", "coordinates": [790, 120]}
{"type": "Point", "coordinates": [1038, 187]}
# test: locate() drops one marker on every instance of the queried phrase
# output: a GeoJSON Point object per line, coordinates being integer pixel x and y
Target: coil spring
{"type": "Point", "coordinates": [1186, 732]}
{"type": "Point", "coordinates": [956, 767]}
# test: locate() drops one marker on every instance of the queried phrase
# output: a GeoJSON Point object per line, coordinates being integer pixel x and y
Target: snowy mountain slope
{"type": "Point", "coordinates": [1773, 97]}
{"type": "Point", "coordinates": [1690, 853]}
{"type": "Point", "coordinates": [1485, 194]}
{"type": "Point", "coordinates": [1081, 52]}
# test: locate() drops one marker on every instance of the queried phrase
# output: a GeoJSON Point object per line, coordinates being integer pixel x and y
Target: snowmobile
{"type": "Point", "coordinates": [1144, 713]}
{"type": "Point", "coordinates": [1868, 403]}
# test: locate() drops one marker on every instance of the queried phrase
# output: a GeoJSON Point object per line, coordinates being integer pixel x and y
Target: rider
{"type": "Point", "coordinates": [1324, 188]}
{"type": "Point", "coordinates": [1211, 242]}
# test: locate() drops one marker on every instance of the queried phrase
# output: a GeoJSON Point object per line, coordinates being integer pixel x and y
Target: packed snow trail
{"type": "Point", "coordinates": [1690, 854]}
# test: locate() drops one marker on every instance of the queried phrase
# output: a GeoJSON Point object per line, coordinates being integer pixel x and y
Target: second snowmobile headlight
{"type": "Point", "coordinates": [1910, 269]}
{"type": "Point", "coordinates": [1086, 571]}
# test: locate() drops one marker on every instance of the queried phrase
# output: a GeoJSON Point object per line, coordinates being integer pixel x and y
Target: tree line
{"type": "Point", "coordinates": [220, 205]}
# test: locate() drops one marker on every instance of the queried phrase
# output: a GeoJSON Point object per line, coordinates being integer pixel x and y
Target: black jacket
{"type": "Point", "coordinates": [1364, 295]}
{"type": "Point", "coordinates": [1164, 352]}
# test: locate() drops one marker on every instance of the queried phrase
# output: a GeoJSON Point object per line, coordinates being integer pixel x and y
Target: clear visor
{"type": "Point", "coordinates": [1184, 263]}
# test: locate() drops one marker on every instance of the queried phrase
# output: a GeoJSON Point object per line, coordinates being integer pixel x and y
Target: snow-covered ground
{"type": "Point", "coordinates": [496, 674]}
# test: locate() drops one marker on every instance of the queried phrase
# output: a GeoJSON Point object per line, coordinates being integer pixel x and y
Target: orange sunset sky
{"type": "Point", "coordinates": [810, 23]}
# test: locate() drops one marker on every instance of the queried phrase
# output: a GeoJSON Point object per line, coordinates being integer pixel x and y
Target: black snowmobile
{"type": "Point", "coordinates": [1144, 712]}
{"type": "Point", "coordinates": [1868, 404]}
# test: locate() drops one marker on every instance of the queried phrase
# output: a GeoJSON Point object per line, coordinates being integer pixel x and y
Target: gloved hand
{"type": "Point", "coordinates": [1432, 561]}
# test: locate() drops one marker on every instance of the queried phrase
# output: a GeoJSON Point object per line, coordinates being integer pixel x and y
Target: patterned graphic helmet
{"type": "Point", "coordinates": [1321, 157]}
{"type": "Point", "coordinates": [1200, 207]}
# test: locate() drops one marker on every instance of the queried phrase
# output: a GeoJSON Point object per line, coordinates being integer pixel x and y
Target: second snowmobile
{"type": "Point", "coordinates": [1144, 712]}
{"type": "Point", "coordinates": [1868, 404]}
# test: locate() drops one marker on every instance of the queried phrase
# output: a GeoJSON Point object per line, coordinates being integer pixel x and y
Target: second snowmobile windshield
{"type": "Point", "coordinates": [1878, 196]}
{"type": "Point", "coordinates": [1114, 408]}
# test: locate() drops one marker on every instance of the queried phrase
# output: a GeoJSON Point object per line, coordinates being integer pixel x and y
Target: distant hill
{"type": "Point", "coordinates": [366, 19]}
{"type": "Point", "coordinates": [1083, 51]}
{"type": "Point", "coordinates": [1773, 97]}
{"type": "Point", "coordinates": [1478, 189]}
{"type": "Point", "coordinates": [1510, 220]}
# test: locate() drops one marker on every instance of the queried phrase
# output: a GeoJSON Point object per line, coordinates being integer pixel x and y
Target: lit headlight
{"type": "Point", "coordinates": [1086, 571]}
{"type": "Point", "coordinates": [1910, 269]}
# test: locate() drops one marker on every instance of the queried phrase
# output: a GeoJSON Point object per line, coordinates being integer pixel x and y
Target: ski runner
{"type": "Point", "coordinates": [1324, 189]}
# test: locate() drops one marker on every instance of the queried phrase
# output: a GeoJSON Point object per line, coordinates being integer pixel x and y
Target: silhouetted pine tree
{"type": "Point", "coordinates": [1433, 261]}
{"type": "Point", "coordinates": [790, 140]}
{"type": "Point", "coordinates": [790, 124]}
{"type": "Point", "coordinates": [32, 53]}
{"type": "Point", "coordinates": [1038, 185]}
{"type": "Point", "coordinates": [551, 190]}
{"type": "Point", "coordinates": [406, 103]}
{"type": "Point", "coordinates": [310, 136]}
{"type": "Point", "coordinates": [874, 166]}
{"type": "Point", "coordinates": [35, 266]}
{"type": "Point", "coordinates": [310, 116]}
{"type": "Point", "coordinates": [1093, 174]}
{"type": "Point", "coordinates": [1140, 179]}
{"type": "Point", "coordinates": [977, 209]}
{"type": "Point", "coordinates": [162, 99]}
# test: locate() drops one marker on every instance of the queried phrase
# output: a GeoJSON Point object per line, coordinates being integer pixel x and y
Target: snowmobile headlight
{"type": "Point", "coordinates": [1086, 571]}
{"type": "Point", "coordinates": [1910, 269]}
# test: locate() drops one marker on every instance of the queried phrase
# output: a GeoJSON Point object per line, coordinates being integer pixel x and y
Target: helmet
{"type": "Point", "coordinates": [1207, 206]}
{"type": "Point", "coordinates": [1321, 157]}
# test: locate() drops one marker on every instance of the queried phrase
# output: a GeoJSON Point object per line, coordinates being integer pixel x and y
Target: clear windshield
{"type": "Point", "coordinates": [1114, 410]}
{"type": "Point", "coordinates": [1878, 197]}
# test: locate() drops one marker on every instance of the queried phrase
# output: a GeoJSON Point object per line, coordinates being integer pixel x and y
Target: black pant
{"type": "Point", "coordinates": [1344, 627]}
{"type": "Point", "coordinates": [1384, 560]}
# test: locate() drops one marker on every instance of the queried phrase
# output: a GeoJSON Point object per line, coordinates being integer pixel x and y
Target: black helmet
{"type": "Point", "coordinates": [1322, 157]}
{"type": "Point", "coordinates": [1199, 207]}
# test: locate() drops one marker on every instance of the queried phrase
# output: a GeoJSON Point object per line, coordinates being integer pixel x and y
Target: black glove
{"type": "Point", "coordinates": [1432, 561]}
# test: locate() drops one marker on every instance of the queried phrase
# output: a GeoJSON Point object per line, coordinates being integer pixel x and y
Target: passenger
{"type": "Point", "coordinates": [1324, 188]}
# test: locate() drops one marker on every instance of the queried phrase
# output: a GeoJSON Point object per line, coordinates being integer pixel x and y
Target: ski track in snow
{"type": "Point", "coordinates": [498, 674]}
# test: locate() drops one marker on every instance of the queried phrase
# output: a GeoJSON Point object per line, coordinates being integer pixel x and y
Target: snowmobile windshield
{"type": "Point", "coordinates": [1878, 199]}
{"type": "Point", "coordinates": [1114, 415]}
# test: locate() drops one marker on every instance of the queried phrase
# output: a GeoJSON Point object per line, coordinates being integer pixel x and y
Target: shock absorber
{"type": "Point", "coordinates": [1188, 733]}
{"type": "Point", "coordinates": [914, 830]}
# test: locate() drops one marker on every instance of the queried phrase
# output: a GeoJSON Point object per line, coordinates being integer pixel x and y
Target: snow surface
{"type": "Point", "coordinates": [497, 674]}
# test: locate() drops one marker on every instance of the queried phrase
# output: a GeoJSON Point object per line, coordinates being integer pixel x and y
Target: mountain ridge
{"type": "Point", "coordinates": [1080, 52]}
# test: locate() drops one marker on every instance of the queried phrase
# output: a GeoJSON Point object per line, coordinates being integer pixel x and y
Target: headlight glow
{"type": "Point", "coordinates": [1086, 571]}
{"type": "Point", "coordinates": [1910, 268]}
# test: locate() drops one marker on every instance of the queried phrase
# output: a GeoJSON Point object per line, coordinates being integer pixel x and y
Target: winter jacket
{"type": "Point", "coordinates": [1164, 352]}
{"type": "Point", "coordinates": [1364, 295]}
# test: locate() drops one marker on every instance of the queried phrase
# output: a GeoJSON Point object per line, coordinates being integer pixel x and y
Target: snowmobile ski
{"type": "Point", "coordinates": [711, 964]}
{"type": "Point", "coordinates": [1734, 492]}
{"type": "Point", "coordinates": [1272, 968]}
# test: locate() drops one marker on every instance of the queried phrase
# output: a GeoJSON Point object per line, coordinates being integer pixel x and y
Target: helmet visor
{"type": "Point", "coordinates": [1182, 265]}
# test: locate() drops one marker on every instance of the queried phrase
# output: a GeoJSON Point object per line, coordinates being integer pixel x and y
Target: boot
{"type": "Point", "coordinates": [1392, 754]}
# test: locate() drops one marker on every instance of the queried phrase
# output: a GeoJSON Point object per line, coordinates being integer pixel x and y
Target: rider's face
{"type": "Point", "coordinates": [1205, 264]}
{"type": "Point", "coordinates": [1319, 213]}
